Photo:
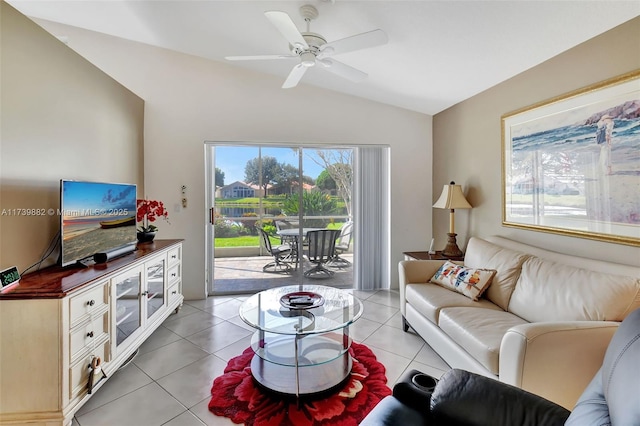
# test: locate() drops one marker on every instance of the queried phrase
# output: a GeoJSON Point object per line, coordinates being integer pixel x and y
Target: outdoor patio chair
{"type": "Point", "coordinates": [320, 250]}
{"type": "Point", "coordinates": [342, 246]}
{"type": "Point", "coordinates": [281, 255]}
{"type": "Point", "coordinates": [285, 224]}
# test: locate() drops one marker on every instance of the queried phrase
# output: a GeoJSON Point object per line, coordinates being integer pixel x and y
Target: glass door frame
{"type": "Point", "coordinates": [210, 166]}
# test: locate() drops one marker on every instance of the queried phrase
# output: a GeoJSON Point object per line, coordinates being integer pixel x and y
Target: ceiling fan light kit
{"type": "Point", "coordinates": [311, 48]}
{"type": "Point", "coordinates": [307, 59]}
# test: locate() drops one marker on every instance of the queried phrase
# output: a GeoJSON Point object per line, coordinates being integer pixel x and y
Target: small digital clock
{"type": "Point", "coordinates": [9, 276]}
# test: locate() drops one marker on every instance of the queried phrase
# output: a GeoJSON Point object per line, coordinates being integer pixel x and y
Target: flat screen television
{"type": "Point", "coordinates": [95, 217]}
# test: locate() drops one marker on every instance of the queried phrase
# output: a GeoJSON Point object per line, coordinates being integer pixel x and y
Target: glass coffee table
{"type": "Point", "coordinates": [301, 343]}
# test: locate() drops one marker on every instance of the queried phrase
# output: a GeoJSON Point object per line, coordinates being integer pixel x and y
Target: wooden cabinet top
{"type": "Point", "coordinates": [56, 282]}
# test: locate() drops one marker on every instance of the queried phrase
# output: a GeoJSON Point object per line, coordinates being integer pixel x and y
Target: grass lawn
{"type": "Point", "coordinates": [246, 241]}
{"type": "Point", "coordinates": [254, 240]}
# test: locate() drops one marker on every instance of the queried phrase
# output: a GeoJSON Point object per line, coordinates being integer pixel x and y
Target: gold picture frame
{"type": "Point", "coordinates": [571, 165]}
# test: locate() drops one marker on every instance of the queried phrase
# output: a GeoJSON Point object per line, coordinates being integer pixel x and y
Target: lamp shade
{"type": "Point", "coordinates": [452, 198]}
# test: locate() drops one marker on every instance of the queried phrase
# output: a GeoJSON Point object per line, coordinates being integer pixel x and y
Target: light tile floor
{"type": "Point", "coordinates": [169, 381]}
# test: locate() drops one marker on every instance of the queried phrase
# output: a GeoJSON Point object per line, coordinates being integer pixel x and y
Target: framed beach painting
{"type": "Point", "coordinates": [571, 165]}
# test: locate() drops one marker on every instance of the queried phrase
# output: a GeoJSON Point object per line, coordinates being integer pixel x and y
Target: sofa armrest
{"type": "Point", "coordinates": [462, 397]}
{"type": "Point", "coordinates": [554, 359]}
{"type": "Point", "coordinates": [392, 412]}
{"type": "Point", "coordinates": [415, 272]}
{"type": "Point", "coordinates": [418, 271]}
{"type": "Point", "coordinates": [465, 398]}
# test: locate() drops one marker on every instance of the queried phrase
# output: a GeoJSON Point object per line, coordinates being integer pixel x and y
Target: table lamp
{"type": "Point", "coordinates": [452, 198]}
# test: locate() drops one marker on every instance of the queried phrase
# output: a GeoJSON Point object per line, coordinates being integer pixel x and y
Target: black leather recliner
{"type": "Point", "coordinates": [464, 398]}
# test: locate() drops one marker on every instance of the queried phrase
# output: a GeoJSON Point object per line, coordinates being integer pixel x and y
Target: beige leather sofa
{"type": "Point", "coordinates": [543, 324]}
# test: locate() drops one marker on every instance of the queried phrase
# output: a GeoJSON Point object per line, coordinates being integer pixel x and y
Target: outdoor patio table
{"type": "Point", "coordinates": [290, 236]}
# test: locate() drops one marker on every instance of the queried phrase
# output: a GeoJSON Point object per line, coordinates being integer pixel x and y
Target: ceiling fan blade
{"type": "Point", "coordinates": [356, 42]}
{"type": "Point", "coordinates": [343, 70]}
{"type": "Point", "coordinates": [287, 28]}
{"type": "Point", "coordinates": [294, 76]}
{"type": "Point", "coordinates": [259, 57]}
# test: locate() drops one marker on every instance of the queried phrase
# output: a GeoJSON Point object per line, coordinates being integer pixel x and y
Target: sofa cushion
{"type": "Point", "coordinates": [471, 282]}
{"type": "Point", "coordinates": [429, 298]}
{"type": "Point", "coordinates": [479, 331]}
{"type": "Point", "coordinates": [550, 291]}
{"type": "Point", "coordinates": [483, 254]}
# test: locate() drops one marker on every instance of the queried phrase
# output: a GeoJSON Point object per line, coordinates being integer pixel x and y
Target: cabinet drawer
{"type": "Point", "coordinates": [174, 274]}
{"type": "Point", "coordinates": [83, 306]}
{"type": "Point", "coordinates": [173, 293]}
{"type": "Point", "coordinates": [174, 255]}
{"type": "Point", "coordinates": [83, 337]}
{"type": "Point", "coordinates": [79, 372]}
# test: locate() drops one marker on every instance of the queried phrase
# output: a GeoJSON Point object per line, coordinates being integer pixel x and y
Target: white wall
{"type": "Point", "coordinates": [467, 140]}
{"type": "Point", "coordinates": [189, 100]}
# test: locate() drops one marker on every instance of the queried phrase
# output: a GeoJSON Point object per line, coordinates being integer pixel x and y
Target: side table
{"type": "Point", "coordinates": [424, 255]}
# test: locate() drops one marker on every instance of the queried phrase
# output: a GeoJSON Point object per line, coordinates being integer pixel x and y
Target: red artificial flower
{"type": "Point", "coordinates": [148, 211]}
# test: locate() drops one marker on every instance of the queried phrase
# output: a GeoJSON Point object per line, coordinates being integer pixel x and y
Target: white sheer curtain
{"type": "Point", "coordinates": [372, 227]}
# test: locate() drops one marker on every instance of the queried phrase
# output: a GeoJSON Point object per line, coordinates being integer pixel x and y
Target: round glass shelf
{"type": "Point", "coordinates": [264, 311]}
{"type": "Point", "coordinates": [313, 349]}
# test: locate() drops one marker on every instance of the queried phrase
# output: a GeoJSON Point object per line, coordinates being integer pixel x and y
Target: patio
{"type": "Point", "coordinates": [237, 275]}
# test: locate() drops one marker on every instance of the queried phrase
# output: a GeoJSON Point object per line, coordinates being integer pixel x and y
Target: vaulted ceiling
{"type": "Point", "coordinates": [438, 53]}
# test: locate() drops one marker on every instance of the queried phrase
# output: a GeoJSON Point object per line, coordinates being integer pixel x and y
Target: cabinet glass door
{"type": "Point", "coordinates": [127, 296]}
{"type": "Point", "coordinates": [155, 287]}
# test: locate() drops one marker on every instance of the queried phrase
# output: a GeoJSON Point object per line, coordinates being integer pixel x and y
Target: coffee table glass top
{"type": "Point", "coordinates": [264, 311]}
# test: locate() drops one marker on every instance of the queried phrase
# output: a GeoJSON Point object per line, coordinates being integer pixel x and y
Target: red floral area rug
{"type": "Point", "coordinates": [235, 395]}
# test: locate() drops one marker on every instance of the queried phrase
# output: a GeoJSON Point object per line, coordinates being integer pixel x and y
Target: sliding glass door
{"type": "Point", "coordinates": [279, 215]}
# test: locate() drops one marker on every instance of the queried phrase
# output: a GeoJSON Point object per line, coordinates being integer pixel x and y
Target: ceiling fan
{"type": "Point", "coordinates": [312, 49]}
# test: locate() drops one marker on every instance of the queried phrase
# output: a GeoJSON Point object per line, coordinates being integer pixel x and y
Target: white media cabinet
{"type": "Point", "coordinates": [57, 320]}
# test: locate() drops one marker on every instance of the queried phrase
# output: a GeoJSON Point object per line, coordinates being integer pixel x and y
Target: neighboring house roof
{"type": "Point", "coordinates": [305, 186]}
{"type": "Point", "coordinates": [241, 183]}
{"type": "Point", "coordinates": [269, 186]}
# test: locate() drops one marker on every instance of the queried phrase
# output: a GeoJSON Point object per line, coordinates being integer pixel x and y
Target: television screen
{"type": "Point", "coordinates": [95, 217]}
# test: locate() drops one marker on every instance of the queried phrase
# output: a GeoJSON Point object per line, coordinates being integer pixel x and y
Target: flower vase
{"type": "Point", "coordinates": [146, 237]}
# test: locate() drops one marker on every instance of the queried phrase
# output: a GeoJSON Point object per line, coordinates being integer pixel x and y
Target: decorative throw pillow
{"type": "Point", "coordinates": [471, 282]}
